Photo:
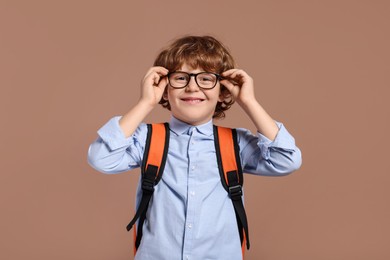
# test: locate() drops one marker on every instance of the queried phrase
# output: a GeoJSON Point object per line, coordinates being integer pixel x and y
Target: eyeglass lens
{"type": "Point", "coordinates": [204, 79]}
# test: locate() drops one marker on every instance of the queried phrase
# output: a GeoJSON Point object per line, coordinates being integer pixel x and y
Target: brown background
{"type": "Point", "coordinates": [320, 67]}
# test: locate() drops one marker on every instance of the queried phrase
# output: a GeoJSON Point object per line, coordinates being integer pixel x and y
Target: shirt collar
{"type": "Point", "coordinates": [179, 127]}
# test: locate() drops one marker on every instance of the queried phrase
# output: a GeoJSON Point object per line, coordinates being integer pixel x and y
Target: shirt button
{"type": "Point", "coordinates": [192, 142]}
{"type": "Point", "coordinates": [192, 193]}
{"type": "Point", "coordinates": [189, 226]}
{"type": "Point", "coordinates": [187, 257]}
{"type": "Point", "coordinates": [193, 168]}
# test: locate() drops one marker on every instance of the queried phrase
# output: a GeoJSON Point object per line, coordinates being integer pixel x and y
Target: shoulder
{"type": "Point", "coordinates": [140, 133]}
{"type": "Point", "coordinates": [245, 135]}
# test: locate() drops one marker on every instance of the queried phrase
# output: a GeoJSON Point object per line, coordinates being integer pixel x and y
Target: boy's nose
{"type": "Point", "coordinates": [192, 85]}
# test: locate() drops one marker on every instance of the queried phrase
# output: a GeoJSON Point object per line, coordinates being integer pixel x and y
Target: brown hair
{"type": "Point", "coordinates": [204, 52]}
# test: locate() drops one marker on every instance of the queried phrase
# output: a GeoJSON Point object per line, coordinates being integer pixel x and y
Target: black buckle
{"type": "Point", "coordinates": [235, 191]}
{"type": "Point", "coordinates": [147, 185]}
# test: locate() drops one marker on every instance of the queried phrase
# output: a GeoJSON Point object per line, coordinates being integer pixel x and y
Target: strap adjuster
{"type": "Point", "coordinates": [147, 185]}
{"type": "Point", "coordinates": [235, 191]}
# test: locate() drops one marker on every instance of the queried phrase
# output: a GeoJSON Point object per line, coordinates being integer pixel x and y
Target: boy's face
{"type": "Point", "coordinates": [192, 104]}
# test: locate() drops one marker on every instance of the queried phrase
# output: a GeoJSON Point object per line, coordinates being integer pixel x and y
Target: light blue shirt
{"type": "Point", "coordinates": [191, 215]}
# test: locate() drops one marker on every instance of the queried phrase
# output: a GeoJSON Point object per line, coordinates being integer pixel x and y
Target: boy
{"type": "Point", "coordinates": [190, 215]}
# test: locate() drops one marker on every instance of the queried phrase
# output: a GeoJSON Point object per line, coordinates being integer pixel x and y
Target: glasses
{"type": "Point", "coordinates": [204, 80]}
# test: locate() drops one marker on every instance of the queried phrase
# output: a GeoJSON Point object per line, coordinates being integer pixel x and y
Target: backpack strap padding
{"type": "Point", "coordinates": [229, 164]}
{"type": "Point", "coordinates": [157, 145]}
{"type": "Point", "coordinates": [155, 154]}
{"type": "Point", "coordinates": [228, 156]}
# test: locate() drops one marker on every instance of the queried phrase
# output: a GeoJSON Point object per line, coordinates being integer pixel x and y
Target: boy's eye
{"type": "Point", "coordinates": [205, 78]}
{"type": "Point", "coordinates": [180, 78]}
{"type": "Point", "coordinates": [177, 76]}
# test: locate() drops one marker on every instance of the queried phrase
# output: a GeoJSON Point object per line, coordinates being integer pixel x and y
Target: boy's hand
{"type": "Point", "coordinates": [240, 85]}
{"type": "Point", "coordinates": [153, 85]}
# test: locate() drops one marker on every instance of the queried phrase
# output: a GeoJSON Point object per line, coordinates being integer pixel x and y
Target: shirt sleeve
{"type": "Point", "coordinates": [112, 152]}
{"type": "Point", "coordinates": [261, 156]}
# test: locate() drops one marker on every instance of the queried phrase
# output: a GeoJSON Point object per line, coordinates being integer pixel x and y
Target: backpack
{"type": "Point", "coordinates": [229, 164]}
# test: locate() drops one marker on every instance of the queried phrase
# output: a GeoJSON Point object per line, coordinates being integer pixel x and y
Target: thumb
{"type": "Point", "coordinates": [227, 84]}
{"type": "Point", "coordinates": [163, 83]}
{"type": "Point", "coordinates": [161, 87]}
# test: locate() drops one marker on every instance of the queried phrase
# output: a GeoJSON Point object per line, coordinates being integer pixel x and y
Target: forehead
{"type": "Point", "coordinates": [188, 68]}
{"type": "Point", "coordinates": [196, 61]}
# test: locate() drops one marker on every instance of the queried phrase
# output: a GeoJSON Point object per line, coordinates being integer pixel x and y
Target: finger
{"type": "Point", "coordinates": [240, 77]}
{"type": "Point", "coordinates": [239, 74]}
{"type": "Point", "coordinates": [159, 70]}
{"type": "Point", "coordinates": [228, 72]}
{"type": "Point", "coordinates": [163, 83]}
{"type": "Point", "coordinates": [157, 79]}
{"type": "Point", "coordinates": [234, 75]}
{"type": "Point", "coordinates": [154, 77]}
{"type": "Point", "coordinates": [229, 85]}
{"type": "Point", "coordinates": [231, 80]}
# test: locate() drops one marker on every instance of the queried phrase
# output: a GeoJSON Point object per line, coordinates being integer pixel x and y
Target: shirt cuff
{"type": "Point", "coordinates": [283, 140]}
{"type": "Point", "coordinates": [112, 134]}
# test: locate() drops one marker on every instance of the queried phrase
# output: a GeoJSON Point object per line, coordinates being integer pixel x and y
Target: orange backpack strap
{"type": "Point", "coordinates": [229, 164]}
{"type": "Point", "coordinates": [156, 150]}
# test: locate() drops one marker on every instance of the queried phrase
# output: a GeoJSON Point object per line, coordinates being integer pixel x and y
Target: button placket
{"type": "Point", "coordinates": [191, 200]}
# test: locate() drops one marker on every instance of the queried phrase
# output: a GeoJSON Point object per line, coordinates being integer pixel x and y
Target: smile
{"type": "Point", "coordinates": [192, 100]}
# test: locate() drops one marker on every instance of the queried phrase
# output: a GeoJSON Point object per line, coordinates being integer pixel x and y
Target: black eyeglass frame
{"type": "Point", "coordinates": [219, 77]}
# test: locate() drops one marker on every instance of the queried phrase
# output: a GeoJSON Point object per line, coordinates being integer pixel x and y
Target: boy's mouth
{"type": "Point", "coordinates": [192, 100]}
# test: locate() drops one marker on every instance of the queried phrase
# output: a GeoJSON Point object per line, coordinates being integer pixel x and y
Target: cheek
{"type": "Point", "coordinates": [168, 94]}
{"type": "Point", "coordinates": [218, 93]}
{"type": "Point", "coordinates": [171, 94]}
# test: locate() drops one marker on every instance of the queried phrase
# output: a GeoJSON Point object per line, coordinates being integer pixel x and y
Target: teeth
{"type": "Point", "coordinates": [193, 100]}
